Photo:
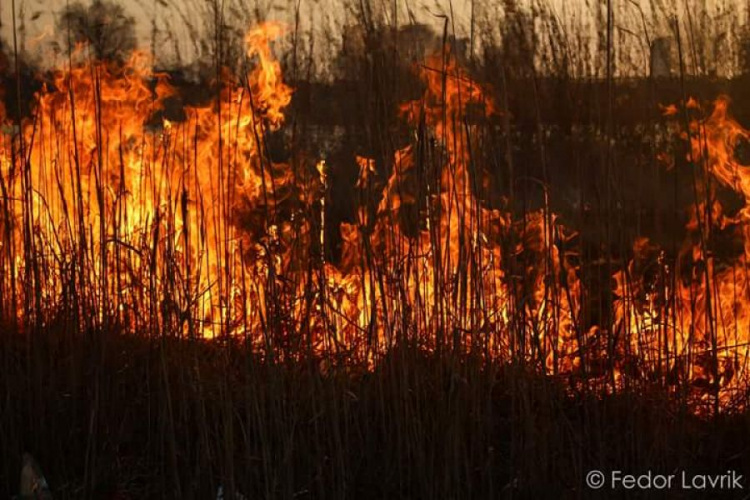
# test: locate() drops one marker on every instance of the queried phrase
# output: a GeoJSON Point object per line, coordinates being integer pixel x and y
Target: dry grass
{"type": "Point", "coordinates": [110, 400]}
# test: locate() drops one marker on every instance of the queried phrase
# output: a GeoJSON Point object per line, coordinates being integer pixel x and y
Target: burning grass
{"type": "Point", "coordinates": [178, 265]}
{"type": "Point", "coordinates": [114, 218]}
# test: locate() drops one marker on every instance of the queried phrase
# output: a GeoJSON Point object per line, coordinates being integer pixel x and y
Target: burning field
{"type": "Point", "coordinates": [433, 275]}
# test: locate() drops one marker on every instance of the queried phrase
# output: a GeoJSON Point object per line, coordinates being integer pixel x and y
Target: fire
{"type": "Point", "coordinates": [121, 218]}
{"type": "Point", "coordinates": [116, 209]}
{"type": "Point", "coordinates": [688, 320]}
{"type": "Point", "coordinates": [722, 321]}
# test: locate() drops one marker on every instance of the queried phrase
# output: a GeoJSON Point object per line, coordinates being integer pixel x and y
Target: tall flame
{"type": "Point", "coordinates": [121, 219]}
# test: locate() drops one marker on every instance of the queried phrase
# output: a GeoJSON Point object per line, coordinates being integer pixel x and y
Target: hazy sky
{"type": "Point", "coordinates": [176, 21]}
{"type": "Point", "coordinates": [172, 25]}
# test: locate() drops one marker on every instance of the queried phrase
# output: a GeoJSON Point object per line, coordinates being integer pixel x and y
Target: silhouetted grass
{"type": "Point", "coordinates": [112, 398]}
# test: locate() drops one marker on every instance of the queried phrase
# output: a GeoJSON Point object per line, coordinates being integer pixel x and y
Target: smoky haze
{"type": "Point", "coordinates": [177, 30]}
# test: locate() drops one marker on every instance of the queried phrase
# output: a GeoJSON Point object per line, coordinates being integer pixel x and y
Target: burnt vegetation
{"type": "Point", "coordinates": [447, 268]}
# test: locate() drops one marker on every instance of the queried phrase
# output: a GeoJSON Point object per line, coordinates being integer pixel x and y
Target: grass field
{"type": "Point", "coordinates": [444, 270]}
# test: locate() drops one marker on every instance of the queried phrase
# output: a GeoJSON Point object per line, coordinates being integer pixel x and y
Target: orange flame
{"type": "Point", "coordinates": [123, 218]}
